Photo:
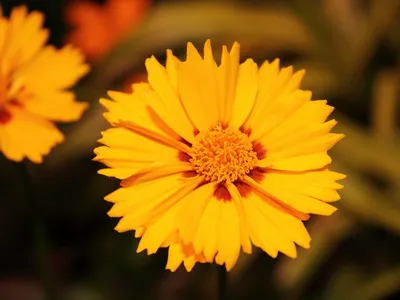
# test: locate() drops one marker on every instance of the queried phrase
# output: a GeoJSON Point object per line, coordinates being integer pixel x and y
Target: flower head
{"type": "Point", "coordinates": [216, 158]}
{"type": "Point", "coordinates": [33, 79]}
{"type": "Point", "coordinates": [99, 27]}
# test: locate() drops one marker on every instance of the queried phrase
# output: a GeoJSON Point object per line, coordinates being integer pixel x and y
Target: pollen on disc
{"type": "Point", "coordinates": [223, 154]}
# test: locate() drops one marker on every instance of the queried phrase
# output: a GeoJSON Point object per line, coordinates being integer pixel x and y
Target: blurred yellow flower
{"type": "Point", "coordinates": [216, 158]}
{"type": "Point", "coordinates": [33, 79]}
{"type": "Point", "coordinates": [97, 28]}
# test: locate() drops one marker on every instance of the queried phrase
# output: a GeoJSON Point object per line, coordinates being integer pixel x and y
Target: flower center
{"type": "Point", "coordinates": [12, 92]}
{"type": "Point", "coordinates": [223, 154]}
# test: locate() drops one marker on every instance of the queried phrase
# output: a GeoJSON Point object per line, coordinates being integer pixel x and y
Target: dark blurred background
{"type": "Point", "coordinates": [351, 51]}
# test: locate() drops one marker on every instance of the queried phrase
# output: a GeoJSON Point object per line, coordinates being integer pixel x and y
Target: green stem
{"type": "Point", "coordinates": [222, 283]}
{"type": "Point", "coordinates": [39, 233]}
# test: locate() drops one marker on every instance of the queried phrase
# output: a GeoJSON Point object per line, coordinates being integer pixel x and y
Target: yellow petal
{"type": "Point", "coordinates": [301, 202]}
{"type": "Point", "coordinates": [211, 96]}
{"type": "Point", "coordinates": [165, 98]}
{"type": "Point", "coordinates": [120, 173]}
{"type": "Point", "coordinates": [323, 178]}
{"type": "Point", "coordinates": [281, 108]}
{"type": "Point", "coordinates": [246, 92]}
{"type": "Point", "coordinates": [175, 257]}
{"type": "Point", "coordinates": [322, 188]}
{"type": "Point", "coordinates": [128, 152]}
{"type": "Point", "coordinates": [155, 171]}
{"type": "Point", "coordinates": [153, 135]}
{"type": "Point", "coordinates": [310, 140]}
{"type": "Point", "coordinates": [27, 135]}
{"type": "Point", "coordinates": [267, 230]}
{"type": "Point", "coordinates": [120, 157]}
{"type": "Point", "coordinates": [284, 207]}
{"type": "Point", "coordinates": [227, 80]}
{"type": "Point", "coordinates": [271, 82]}
{"type": "Point", "coordinates": [206, 238]}
{"type": "Point", "coordinates": [191, 211]}
{"type": "Point", "coordinates": [171, 66]}
{"type": "Point", "coordinates": [299, 136]}
{"type": "Point", "coordinates": [244, 232]}
{"type": "Point", "coordinates": [24, 38]}
{"type": "Point", "coordinates": [141, 204]}
{"type": "Point", "coordinates": [260, 231]}
{"type": "Point", "coordinates": [41, 75]}
{"type": "Point", "coordinates": [229, 236]}
{"type": "Point", "coordinates": [292, 227]}
{"type": "Point", "coordinates": [139, 232]}
{"type": "Point", "coordinates": [297, 163]}
{"type": "Point", "coordinates": [309, 146]}
{"type": "Point", "coordinates": [135, 107]}
{"type": "Point", "coordinates": [56, 106]}
{"type": "Point", "coordinates": [3, 33]}
{"type": "Point", "coordinates": [159, 231]}
{"type": "Point", "coordinates": [179, 253]}
{"type": "Point", "coordinates": [294, 82]}
{"type": "Point", "coordinates": [193, 89]}
{"type": "Point", "coordinates": [121, 138]}
{"type": "Point", "coordinates": [266, 77]}
{"type": "Point", "coordinates": [309, 115]}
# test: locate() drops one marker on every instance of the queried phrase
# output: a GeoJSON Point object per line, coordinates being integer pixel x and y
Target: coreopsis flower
{"type": "Point", "coordinates": [97, 28]}
{"type": "Point", "coordinates": [215, 159]}
{"type": "Point", "coordinates": [33, 83]}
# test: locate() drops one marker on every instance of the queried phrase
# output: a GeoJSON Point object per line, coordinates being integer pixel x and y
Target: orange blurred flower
{"type": "Point", "coordinates": [99, 27]}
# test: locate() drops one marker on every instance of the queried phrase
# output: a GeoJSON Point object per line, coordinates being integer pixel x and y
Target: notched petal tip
{"type": "Point", "coordinates": [37, 160]}
{"type": "Point", "coordinates": [301, 72]}
{"type": "Point", "coordinates": [235, 47]}
{"type": "Point", "coordinates": [333, 122]}
{"type": "Point", "coordinates": [108, 197]}
{"type": "Point", "coordinates": [191, 52]}
{"type": "Point", "coordinates": [207, 45]}
{"type": "Point", "coordinates": [329, 107]}
{"type": "Point", "coordinates": [120, 229]}
{"type": "Point", "coordinates": [151, 60]}
{"type": "Point", "coordinates": [142, 246]}
{"type": "Point", "coordinates": [274, 255]}
{"type": "Point", "coordinates": [208, 53]}
{"type": "Point", "coordinates": [105, 102]}
{"type": "Point", "coordinates": [113, 95]}
{"type": "Point", "coordinates": [329, 210]}
{"type": "Point", "coordinates": [339, 136]}
{"type": "Point", "coordinates": [306, 245]}
{"type": "Point", "coordinates": [189, 265]}
{"type": "Point", "coordinates": [171, 268]}
{"type": "Point", "coordinates": [100, 140]}
{"type": "Point", "coordinates": [276, 62]}
{"type": "Point", "coordinates": [189, 45]}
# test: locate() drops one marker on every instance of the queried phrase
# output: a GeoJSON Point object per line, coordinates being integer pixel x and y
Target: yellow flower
{"type": "Point", "coordinates": [33, 79]}
{"type": "Point", "coordinates": [217, 158]}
